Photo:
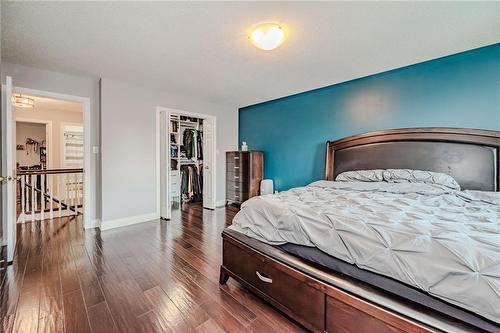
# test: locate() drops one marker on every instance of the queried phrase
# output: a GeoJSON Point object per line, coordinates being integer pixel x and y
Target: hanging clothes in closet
{"type": "Point", "coordinates": [192, 183]}
{"type": "Point", "coordinates": [192, 141]}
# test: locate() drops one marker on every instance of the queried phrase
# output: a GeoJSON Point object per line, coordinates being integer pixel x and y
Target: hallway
{"type": "Point", "coordinates": [151, 277]}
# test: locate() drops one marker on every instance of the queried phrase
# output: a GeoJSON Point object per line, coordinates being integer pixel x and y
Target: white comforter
{"type": "Point", "coordinates": [444, 242]}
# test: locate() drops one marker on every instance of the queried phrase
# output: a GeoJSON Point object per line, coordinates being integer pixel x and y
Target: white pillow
{"type": "Point", "coordinates": [361, 176]}
{"type": "Point", "coordinates": [399, 176]}
{"type": "Point", "coordinates": [419, 176]}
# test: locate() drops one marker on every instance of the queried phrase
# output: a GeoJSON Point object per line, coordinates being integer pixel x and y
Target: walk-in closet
{"type": "Point", "coordinates": [186, 159]}
{"type": "Point", "coordinates": [183, 166]}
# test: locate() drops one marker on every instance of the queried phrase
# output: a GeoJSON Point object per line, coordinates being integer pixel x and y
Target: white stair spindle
{"type": "Point", "coordinates": [75, 189]}
{"type": "Point", "coordinates": [77, 177]}
{"type": "Point", "coordinates": [51, 197]}
{"type": "Point", "coordinates": [59, 193]}
{"type": "Point", "coordinates": [67, 187]}
{"type": "Point", "coordinates": [35, 185]}
{"type": "Point", "coordinates": [33, 197]}
{"type": "Point", "coordinates": [27, 194]}
{"type": "Point", "coordinates": [23, 211]}
{"type": "Point", "coordinates": [42, 197]}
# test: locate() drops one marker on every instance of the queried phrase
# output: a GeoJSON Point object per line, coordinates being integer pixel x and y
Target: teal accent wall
{"type": "Point", "coordinates": [461, 90]}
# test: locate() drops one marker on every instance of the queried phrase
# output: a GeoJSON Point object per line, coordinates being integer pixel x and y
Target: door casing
{"type": "Point", "coordinates": [89, 189]}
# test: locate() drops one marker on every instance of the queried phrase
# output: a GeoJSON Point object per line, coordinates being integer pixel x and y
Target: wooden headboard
{"type": "Point", "coordinates": [470, 156]}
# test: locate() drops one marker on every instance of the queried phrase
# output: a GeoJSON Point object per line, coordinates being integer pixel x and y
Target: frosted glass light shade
{"type": "Point", "coordinates": [267, 36]}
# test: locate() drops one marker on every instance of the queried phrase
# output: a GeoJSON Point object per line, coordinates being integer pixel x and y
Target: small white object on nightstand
{"type": "Point", "coordinates": [266, 186]}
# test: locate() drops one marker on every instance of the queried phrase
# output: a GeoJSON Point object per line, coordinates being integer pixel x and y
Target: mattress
{"type": "Point", "coordinates": [390, 285]}
{"type": "Point", "coordinates": [443, 242]}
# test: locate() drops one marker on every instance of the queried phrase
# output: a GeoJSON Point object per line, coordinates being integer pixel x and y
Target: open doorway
{"type": "Point", "coordinates": [44, 192]}
{"type": "Point", "coordinates": [49, 157]}
{"type": "Point", "coordinates": [186, 162]}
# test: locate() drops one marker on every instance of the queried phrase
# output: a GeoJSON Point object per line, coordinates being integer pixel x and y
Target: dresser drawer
{"type": "Point", "coordinates": [238, 168]}
{"type": "Point", "coordinates": [238, 158]}
{"type": "Point", "coordinates": [278, 283]}
{"type": "Point", "coordinates": [238, 196]}
{"type": "Point", "coordinates": [236, 176]}
{"type": "Point", "coordinates": [237, 186]}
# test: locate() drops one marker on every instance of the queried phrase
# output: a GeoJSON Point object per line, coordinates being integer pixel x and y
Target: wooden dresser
{"type": "Point", "coordinates": [244, 171]}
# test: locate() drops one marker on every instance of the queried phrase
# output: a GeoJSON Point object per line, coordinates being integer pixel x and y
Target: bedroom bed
{"type": "Point", "coordinates": [381, 254]}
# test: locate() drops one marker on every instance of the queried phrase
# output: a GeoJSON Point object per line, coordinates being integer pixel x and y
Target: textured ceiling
{"type": "Point", "coordinates": [200, 49]}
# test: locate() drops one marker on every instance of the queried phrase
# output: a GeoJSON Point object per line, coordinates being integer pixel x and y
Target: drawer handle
{"type": "Point", "coordinates": [236, 157]}
{"type": "Point", "coordinates": [263, 278]}
{"type": "Point", "coordinates": [236, 177]}
{"type": "Point", "coordinates": [236, 187]}
{"type": "Point", "coordinates": [236, 167]}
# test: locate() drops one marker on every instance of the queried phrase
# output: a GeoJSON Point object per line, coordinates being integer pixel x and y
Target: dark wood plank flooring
{"type": "Point", "coordinates": [159, 276]}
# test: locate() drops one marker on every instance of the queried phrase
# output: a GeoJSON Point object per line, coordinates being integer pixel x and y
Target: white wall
{"type": "Point", "coordinates": [34, 78]}
{"type": "Point", "coordinates": [128, 137]}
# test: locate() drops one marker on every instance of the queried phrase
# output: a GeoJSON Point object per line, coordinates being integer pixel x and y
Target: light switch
{"type": "Point", "coordinates": [95, 149]}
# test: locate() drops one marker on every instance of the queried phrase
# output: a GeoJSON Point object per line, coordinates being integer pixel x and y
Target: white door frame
{"type": "Point", "coordinates": [48, 136]}
{"type": "Point", "coordinates": [88, 188]}
{"type": "Point", "coordinates": [160, 109]}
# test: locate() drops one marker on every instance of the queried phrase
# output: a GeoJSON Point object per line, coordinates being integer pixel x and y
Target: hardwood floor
{"type": "Point", "coordinates": [160, 276]}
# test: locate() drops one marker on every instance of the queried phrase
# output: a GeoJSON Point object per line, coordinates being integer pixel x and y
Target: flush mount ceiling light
{"type": "Point", "coordinates": [20, 101]}
{"type": "Point", "coordinates": [267, 36]}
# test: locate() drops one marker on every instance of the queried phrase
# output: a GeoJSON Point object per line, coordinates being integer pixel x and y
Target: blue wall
{"type": "Point", "coordinates": [461, 90]}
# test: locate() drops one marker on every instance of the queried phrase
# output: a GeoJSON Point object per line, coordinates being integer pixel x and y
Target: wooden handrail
{"type": "Point", "coordinates": [47, 171]}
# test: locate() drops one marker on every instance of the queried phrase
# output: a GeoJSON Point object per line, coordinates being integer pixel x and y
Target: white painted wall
{"type": "Point", "coordinates": [39, 79]}
{"type": "Point", "coordinates": [129, 146]}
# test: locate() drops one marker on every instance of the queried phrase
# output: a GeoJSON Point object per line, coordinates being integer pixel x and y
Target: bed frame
{"type": "Point", "coordinates": [326, 301]}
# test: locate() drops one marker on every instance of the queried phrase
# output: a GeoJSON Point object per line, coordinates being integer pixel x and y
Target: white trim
{"type": "Point", "coordinates": [95, 223]}
{"type": "Point", "coordinates": [122, 222]}
{"type": "Point", "coordinates": [48, 136]}
{"type": "Point", "coordinates": [89, 190]}
{"type": "Point", "coordinates": [9, 196]}
{"type": "Point", "coordinates": [220, 203]}
{"type": "Point", "coordinates": [160, 109]}
{"type": "Point", "coordinates": [157, 161]}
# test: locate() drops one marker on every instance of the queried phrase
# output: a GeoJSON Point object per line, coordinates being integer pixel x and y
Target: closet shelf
{"type": "Point", "coordinates": [189, 161]}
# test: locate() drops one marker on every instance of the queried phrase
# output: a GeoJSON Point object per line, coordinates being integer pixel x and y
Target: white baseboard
{"type": "Point", "coordinates": [95, 223]}
{"type": "Point", "coordinates": [220, 203]}
{"type": "Point", "coordinates": [122, 222]}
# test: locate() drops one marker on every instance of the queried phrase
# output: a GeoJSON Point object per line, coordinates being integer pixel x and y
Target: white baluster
{"type": "Point", "coordinates": [67, 189]}
{"type": "Point", "coordinates": [77, 190]}
{"type": "Point", "coordinates": [27, 194]}
{"type": "Point", "coordinates": [73, 189]}
{"type": "Point", "coordinates": [23, 212]}
{"type": "Point", "coordinates": [51, 196]}
{"type": "Point", "coordinates": [33, 197]}
{"type": "Point", "coordinates": [42, 197]}
{"type": "Point", "coordinates": [59, 193]}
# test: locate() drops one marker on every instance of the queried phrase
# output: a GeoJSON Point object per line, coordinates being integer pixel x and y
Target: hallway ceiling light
{"type": "Point", "coordinates": [20, 101]}
{"type": "Point", "coordinates": [267, 36]}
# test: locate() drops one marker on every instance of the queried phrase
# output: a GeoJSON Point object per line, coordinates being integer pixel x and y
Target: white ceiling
{"type": "Point", "coordinates": [201, 49]}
